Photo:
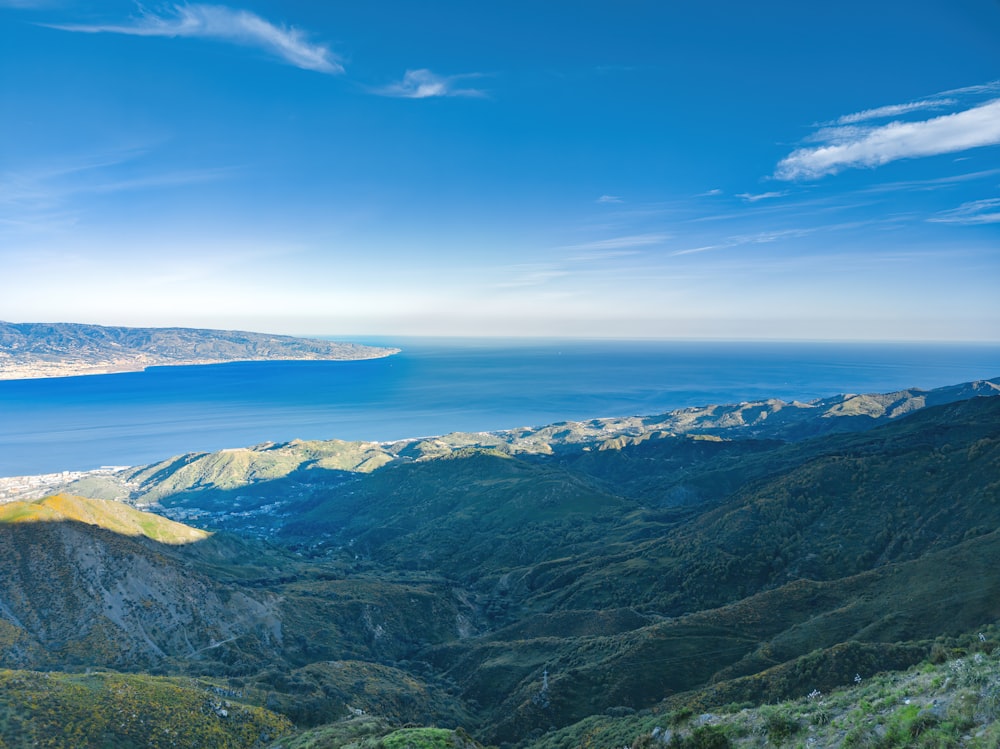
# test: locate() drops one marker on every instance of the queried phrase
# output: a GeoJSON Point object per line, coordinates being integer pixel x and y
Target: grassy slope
{"type": "Point", "coordinates": [127, 711]}
{"type": "Point", "coordinates": [364, 732]}
{"type": "Point", "coordinates": [112, 516]}
{"type": "Point", "coordinates": [950, 701]}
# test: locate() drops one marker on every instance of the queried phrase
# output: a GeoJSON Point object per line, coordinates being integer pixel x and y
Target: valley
{"type": "Point", "coordinates": [599, 583]}
{"type": "Point", "coordinates": [499, 375]}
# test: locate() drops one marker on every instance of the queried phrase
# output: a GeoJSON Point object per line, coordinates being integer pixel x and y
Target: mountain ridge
{"type": "Point", "coordinates": [526, 589]}
{"type": "Point", "coordinates": [35, 350]}
{"type": "Point", "coordinates": [306, 465]}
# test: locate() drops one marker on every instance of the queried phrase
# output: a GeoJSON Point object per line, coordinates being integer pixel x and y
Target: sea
{"type": "Point", "coordinates": [437, 386]}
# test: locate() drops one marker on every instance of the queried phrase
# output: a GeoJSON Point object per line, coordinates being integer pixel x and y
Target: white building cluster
{"type": "Point", "coordinates": [21, 488]}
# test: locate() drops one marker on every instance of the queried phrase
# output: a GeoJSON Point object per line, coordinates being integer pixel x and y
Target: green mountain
{"type": "Point", "coordinates": [950, 700]}
{"type": "Point", "coordinates": [560, 586]}
{"type": "Point", "coordinates": [248, 483]}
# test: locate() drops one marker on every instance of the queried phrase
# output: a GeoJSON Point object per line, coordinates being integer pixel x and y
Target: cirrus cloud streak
{"type": "Point", "coordinates": [893, 110]}
{"type": "Point", "coordinates": [871, 147]}
{"type": "Point", "coordinates": [225, 24]}
{"type": "Point", "coordinates": [973, 212]}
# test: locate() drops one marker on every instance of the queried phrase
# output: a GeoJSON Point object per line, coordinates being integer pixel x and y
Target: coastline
{"type": "Point", "coordinates": [33, 351]}
{"type": "Point", "coordinates": [39, 370]}
{"type": "Point", "coordinates": [432, 388]}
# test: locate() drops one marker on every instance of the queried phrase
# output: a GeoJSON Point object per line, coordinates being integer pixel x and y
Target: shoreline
{"type": "Point", "coordinates": [43, 370]}
{"type": "Point", "coordinates": [33, 351]}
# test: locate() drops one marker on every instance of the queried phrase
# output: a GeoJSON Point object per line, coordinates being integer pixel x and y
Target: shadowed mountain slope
{"type": "Point", "coordinates": [101, 594]}
{"type": "Point", "coordinates": [308, 468]}
{"type": "Point", "coordinates": [884, 536]}
{"type": "Point", "coordinates": [515, 585]}
{"type": "Point", "coordinates": [766, 513]}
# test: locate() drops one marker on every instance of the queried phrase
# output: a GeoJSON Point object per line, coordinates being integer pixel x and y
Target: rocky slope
{"type": "Point", "coordinates": [75, 593]}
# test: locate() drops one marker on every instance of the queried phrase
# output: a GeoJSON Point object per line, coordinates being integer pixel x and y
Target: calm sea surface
{"type": "Point", "coordinates": [435, 387]}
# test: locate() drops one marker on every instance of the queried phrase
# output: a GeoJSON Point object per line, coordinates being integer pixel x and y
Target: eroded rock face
{"type": "Point", "coordinates": [76, 594]}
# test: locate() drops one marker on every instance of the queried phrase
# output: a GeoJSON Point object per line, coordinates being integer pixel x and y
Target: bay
{"type": "Point", "coordinates": [435, 387]}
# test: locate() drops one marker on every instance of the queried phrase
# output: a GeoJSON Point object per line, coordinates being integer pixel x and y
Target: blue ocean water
{"type": "Point", "coordinates": [434, 387]}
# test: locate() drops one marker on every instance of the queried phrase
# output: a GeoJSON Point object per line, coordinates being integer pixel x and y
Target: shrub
{"type": "Point", "coordinates": [709, 737]}
{"type": "Point", "coordinates": [679, 716]}
{"type": "Point", "coordinates": [780, 725]}
{"type": "Point", "coordinates": [703, 737]}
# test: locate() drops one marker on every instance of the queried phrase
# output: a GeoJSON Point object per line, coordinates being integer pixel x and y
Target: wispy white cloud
{"type": "Point", "coordinates": [620, 243]}
{"type": "Point", "coordinates": [974, 212]}
{"type": "Point", "coordinates": [609, 199]}
{"type": "Point", "coordinates": [894, 110]}
{"type": "Point", "coordinates": [766, 237]}
{"type": "Point", "coordinates": [424, 84]}
{"type": "Point", "coordinates": [763, 237]}
{"type": "Point", "coordinates": [528, 274]}
{"type": "Point", "coordinates": [591, 257]}
{"type": "Point", "coordinates": [52, 198]}
{"type": "Point", "coordinates": [938, 183]}
{"type": "Point", "coordinates": [703, 248]}
{"type": "Point", "coordinates": [751, 198]}
{"type": "Point", "coordinates": [225, 24]}
{"type": "Point", "coordinates": [855, 146]}
{"type": "Point", "coordinates": [709, 193]}
{"type": "Point", "coordinates": [49, 187]}
{"type": "Point", "coordinates": [46, 185]}
{"type": "Point", "coordinates": [978, 89]}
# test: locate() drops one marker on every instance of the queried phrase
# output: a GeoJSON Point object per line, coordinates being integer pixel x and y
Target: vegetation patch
{"type": "Point", "coordinates": [127, 710]}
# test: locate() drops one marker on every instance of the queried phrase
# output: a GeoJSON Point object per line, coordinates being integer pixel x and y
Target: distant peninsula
{"type": "Point", "coordinates": [36, 350]}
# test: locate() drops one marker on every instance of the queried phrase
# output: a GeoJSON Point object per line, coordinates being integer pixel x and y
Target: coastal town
{"type": "Point", "coordinates": [21, 488]}
{"type": "Point", "coordinates": [34, 369]}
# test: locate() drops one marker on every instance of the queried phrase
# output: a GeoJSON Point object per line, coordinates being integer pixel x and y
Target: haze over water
{"type": "Point", "coordinates": [435, 387]}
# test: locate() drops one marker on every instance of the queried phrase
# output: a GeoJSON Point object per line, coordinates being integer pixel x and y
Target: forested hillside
{"type": "Point", "coordinates": [534, 588]}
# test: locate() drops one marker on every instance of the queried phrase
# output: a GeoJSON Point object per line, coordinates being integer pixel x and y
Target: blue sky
{"type": "Point", "coordinates": [636, 169]}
